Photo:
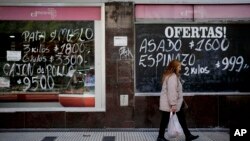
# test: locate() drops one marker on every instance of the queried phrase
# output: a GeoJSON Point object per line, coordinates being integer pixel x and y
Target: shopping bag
{"type": "Point", "coordinates": [174, 127]}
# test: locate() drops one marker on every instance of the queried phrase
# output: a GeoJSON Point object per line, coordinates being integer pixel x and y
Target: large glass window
{"type": "Point", "coordinates": [48, 64]}
{"type": "Point", "coordinates": [47, 57]}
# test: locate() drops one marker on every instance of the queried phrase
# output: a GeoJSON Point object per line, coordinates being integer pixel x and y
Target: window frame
{"type": "Point", "coordinates": [99, 65]}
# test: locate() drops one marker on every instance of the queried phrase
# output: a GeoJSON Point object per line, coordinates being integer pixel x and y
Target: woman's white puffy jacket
{"type": "Point", "coordinates": [171, 93]}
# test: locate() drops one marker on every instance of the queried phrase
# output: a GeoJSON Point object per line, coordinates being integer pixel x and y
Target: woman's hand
{"type": "Point", "coordinates": [173, 108]}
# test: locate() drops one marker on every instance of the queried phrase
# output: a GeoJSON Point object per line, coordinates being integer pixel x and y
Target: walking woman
{"type": "Point", "coordinates": [171, 100]}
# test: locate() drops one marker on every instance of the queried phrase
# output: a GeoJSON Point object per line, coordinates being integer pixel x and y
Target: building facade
{"type": "Point", "coordinates": [97, 64]}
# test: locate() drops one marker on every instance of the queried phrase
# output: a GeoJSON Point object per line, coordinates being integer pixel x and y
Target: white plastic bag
{"type": "Point", "coordinates": [174, 127]}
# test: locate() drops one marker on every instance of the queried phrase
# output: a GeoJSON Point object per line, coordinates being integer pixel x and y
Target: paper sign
{"type": "Point", "coordinates": [120, 40]}
{"type": "Point", "coordinates": [71, 73]}
{"type": "Point", "coordinates": [4, 82]}
{"type": "Point", "coordinates": [13, 55]}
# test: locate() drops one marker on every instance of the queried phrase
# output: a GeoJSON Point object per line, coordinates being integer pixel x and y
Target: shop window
{"type": "Point", "coordinates": [51, 64]}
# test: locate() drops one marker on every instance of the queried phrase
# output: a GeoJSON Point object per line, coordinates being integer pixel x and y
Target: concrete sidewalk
{"type": "Point", "coordinates": [113, 134]}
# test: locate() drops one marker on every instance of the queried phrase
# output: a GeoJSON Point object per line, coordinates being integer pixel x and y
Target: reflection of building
{"type": "Point", "coordinates": [89, 79]}
{"type": "Point", "coordinates": [115, 70]}
{"type": "Point", "coordinates": [89, 82]}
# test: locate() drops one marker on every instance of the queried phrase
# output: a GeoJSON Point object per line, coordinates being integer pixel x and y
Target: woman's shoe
{"type": "Point", "coordinates": [192, 137]}
{"type": "Point", "coordinates": [162, 139]}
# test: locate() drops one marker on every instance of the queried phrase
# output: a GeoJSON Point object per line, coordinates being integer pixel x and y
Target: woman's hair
{"type": "Point", "coordinates": [171, 68]}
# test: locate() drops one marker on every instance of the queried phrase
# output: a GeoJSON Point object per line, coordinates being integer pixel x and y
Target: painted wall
{"type": "Point", "coordinates": [135, 1]}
